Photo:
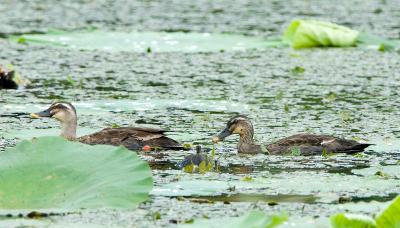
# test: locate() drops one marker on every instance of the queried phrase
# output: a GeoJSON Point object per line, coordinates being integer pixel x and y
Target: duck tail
{"type": "Point", "coordinates": [360, 147]}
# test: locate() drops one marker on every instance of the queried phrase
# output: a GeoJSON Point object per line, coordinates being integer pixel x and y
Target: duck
{"type": "Point", "coordinates": [7, 79]}
{"type": "Point", "coordinates": [133, 138]}
{"type": "Point", "coordinates": [195, 159]}
{"type": "Point", "coordinates": [303, 143]}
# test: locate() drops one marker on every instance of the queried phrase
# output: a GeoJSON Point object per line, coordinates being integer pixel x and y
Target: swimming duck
{"type": "Point", "coordinates": [7, 79]}
{"type": "Point", "coordinates": [305, 144]}
{"type": "Point", "coordinates": [195, 159]}
{"type": "Point", "coordinates": [133, 138]}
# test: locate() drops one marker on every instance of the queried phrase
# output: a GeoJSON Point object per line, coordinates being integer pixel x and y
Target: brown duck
{"type": "Point", "coordinates": [133, 138]}
{"type": "Point", "coordinates": [7, 79]}
{"type": "Point", "coordinates": [306, 144]}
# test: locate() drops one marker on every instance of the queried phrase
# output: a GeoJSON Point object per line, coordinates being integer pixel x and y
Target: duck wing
{"type": "Point", "coordinates": [310, 144]}
{"type": "Point", "coordinates": [133, 138]}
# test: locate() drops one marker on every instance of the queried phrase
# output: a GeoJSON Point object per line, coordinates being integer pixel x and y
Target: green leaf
{"type": "Point", "coordinates": [390, 217]}
{"type": "Point", "coordinates": [297, 70]}
{"type": "Point", "coordinates": [379, 43]}
{"type": "Point", "coordinates": [21, 40]}
{"type": "Point", "coordinates": [189, 168]}
{"type": "Point", "coordinates": [247, 178]}
{"type": "Point", "coordinates": [352, 221]}
{"type": "Point", "coordinates": [51, 172]}
{"type": "Point", "coordinates": [213, 152]}
{"type": "Point", "coordinates": [253, 219]}
{"type": "Point", "coordinates": [310, 33]}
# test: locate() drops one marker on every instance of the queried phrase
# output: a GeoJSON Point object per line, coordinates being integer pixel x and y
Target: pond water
{"type": "Point", "coordinates": [350, 93]}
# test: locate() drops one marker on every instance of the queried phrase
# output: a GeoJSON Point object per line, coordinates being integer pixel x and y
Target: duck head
{"type": "Point", "coordinates": [240, 125]}
{"type": "Point", "coordinates": [65, 113]}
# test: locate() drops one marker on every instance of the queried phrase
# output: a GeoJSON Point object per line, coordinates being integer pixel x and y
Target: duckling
{"type": "Point", "coordinates": [133, 138]}
{"type": "Point", "coordinates": [307, 144]}
{"type": "Point", "coordinates": [195, 159]}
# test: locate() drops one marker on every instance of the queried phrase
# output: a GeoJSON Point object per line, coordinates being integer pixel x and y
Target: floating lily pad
{"type": "Point", "coordinates": [149, 41]}
{"type": "Point", "coordinates": [51, 172]}
{"type": "Point", "coordinates": [254, 219]}
{"type": "Point", "coordinates": [191, 188]}
{"type": "Point", "coordinates": [284, 183]}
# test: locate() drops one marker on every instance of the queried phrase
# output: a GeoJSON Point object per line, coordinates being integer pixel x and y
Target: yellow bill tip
{"type": "Point", "coordinates": [34, 116]}
{"type": "Point", "coordinates": [215, 139]}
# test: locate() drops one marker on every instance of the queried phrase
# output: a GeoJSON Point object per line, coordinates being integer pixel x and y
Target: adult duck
{"type": "Point", "coordinates": [306, 144]}
{"type": "Point", "coordinates": [7, 79]}
{"type": "Point", "coordinates": [133, 138]}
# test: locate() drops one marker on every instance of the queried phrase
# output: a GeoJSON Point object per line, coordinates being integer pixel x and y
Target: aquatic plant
{"type": "Point", "coordinates": [51, 172]}
{"type": "Point", "coordinates": [390, 217]}
{"type": "Point", "coordinates": [254, 219]}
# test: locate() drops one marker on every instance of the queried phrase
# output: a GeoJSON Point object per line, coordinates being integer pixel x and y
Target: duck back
{"type": "Point", "coordinates": [132, 138]}
{"type": "Point", "coordinates": [310, 144]}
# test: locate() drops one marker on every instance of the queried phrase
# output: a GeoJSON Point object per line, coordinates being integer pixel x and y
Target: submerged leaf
{"type": "Point", "coordinates": [352, 221]}
{"type": "Point", "coordinates": [253, 219]}
{"type": "Point", "coordinates": [51, 172]}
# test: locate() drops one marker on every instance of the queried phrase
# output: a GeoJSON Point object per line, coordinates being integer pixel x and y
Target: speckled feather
{"type": "Point", "coordinates": [310, 144]}
{"type": "Point", "coordinates": [132, 138]}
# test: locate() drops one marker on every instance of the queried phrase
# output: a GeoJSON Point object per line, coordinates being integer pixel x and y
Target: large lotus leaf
{"type": "Point", "coordinates": [253, 219]}
{"type": "Point", "coordinates": [51, 172]}
{"type": "Point", "coordinates": [352, 221]}
{"type": "Point", "coordinates": [310, 33]}
{"type": "Point", "coordinates": [390, 217]}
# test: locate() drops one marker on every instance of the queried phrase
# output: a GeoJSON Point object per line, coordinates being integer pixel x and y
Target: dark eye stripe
{"type": "Point", "coordinates": [65, 105]}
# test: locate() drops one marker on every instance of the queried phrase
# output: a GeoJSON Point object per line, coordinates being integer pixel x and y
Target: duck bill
{"type": "Point", "coordinates": [222, 135]}
{"type": "Point", "coordinates": [45, 113]}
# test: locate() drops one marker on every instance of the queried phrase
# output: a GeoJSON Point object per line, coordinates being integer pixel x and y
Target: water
{"type": "Point", "coordinates": [351, 93]}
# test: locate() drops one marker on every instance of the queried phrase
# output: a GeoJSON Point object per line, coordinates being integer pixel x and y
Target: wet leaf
{"type": "Point", "coordinates": [51, 172]}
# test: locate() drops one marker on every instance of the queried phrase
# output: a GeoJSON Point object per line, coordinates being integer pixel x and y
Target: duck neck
{"type": "Point", "coordinates": [246, 137]}
{"type": "Point", "coordinates": [68, 129]}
